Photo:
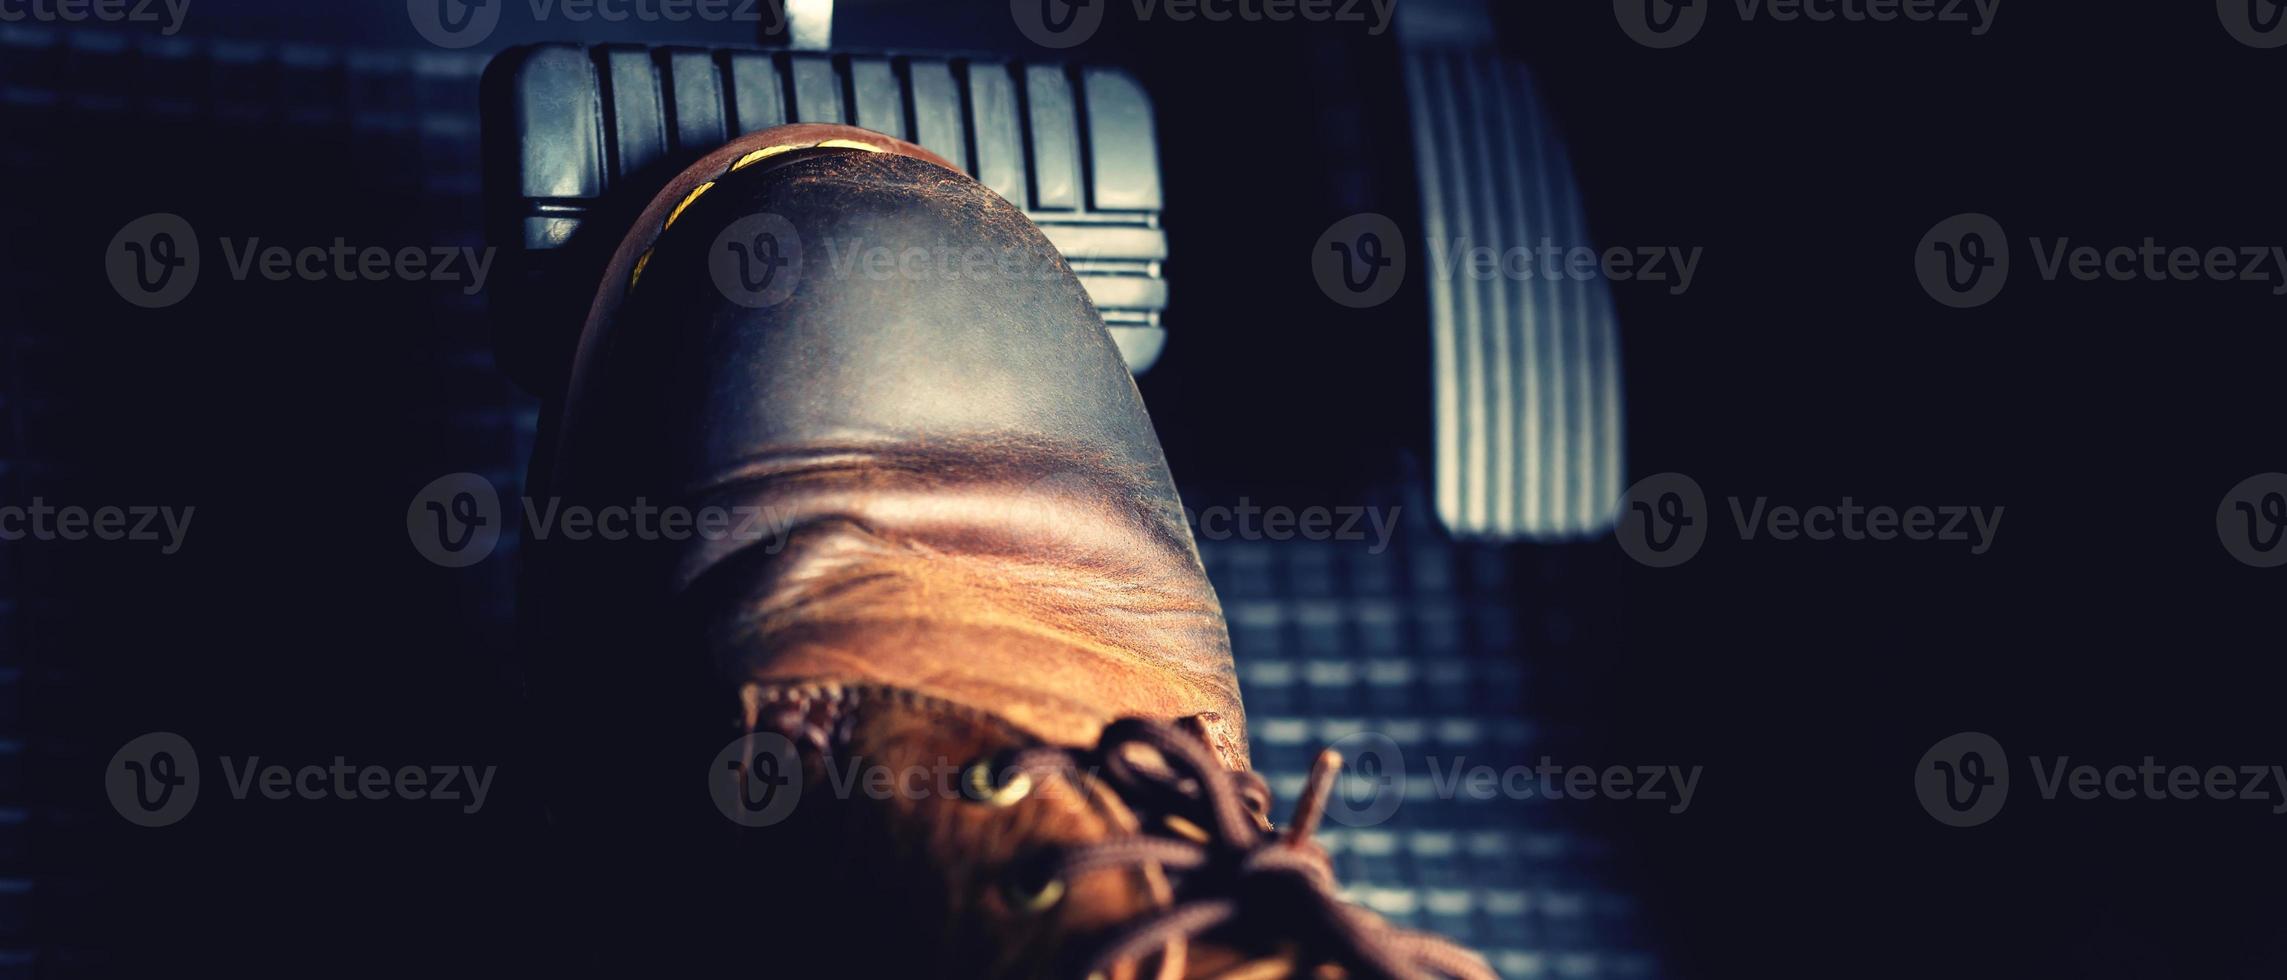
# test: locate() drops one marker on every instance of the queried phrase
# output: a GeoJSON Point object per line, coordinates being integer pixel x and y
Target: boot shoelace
{"type": "Point", "coordinates": [1231, 872]}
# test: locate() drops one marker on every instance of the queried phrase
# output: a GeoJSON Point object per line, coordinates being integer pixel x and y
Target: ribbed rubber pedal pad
{"type": "Point", "coordinates": [1527, 369]}
{"type": "Point", "coordinates": [1074, 146]}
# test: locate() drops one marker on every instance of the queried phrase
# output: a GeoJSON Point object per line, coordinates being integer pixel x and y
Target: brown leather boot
{"type": "Point", "coordinates": [988, 688]}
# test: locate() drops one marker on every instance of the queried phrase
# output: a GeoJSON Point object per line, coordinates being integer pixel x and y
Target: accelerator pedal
{"type": "Point", "coordinates": [1527, 371]}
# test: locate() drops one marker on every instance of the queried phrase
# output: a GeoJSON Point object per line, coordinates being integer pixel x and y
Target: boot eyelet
{"type": "Point", "coordinates": [978, 783]}
{"type": "Point", "coordinates": [1035, 900]}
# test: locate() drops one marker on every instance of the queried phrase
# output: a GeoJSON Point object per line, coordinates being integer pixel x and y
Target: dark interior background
{"type": "Point", "coordinates": [1805, 364]}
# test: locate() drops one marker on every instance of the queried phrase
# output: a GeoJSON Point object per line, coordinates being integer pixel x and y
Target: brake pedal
{"type": "Point", "coordinates": [565, 124]}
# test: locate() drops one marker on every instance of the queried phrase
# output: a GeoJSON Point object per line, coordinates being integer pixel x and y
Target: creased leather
{"type": "Point", "coordinates": [975, 505]}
